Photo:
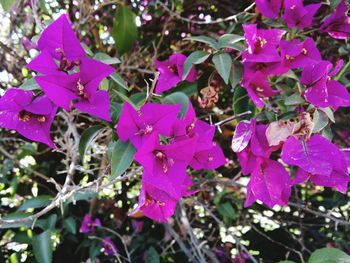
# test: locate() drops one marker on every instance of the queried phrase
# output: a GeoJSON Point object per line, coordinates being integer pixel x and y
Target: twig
{"type": "Point", "coordinates": [217, 21]}
{"type": "Point", "coordinates": [229, 119]}
{"type": "Point", "coordinates": [151, 91]}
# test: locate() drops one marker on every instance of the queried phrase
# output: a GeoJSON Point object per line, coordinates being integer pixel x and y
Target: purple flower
{"type": "Point", "coordinates": [321, 90]}
{"type": "Point", "coordinates": [109, 248]}
{"type": "Point", "coordinates": [137, 126]}
{"type": "Point", "coordinates": [332, 171]}
{"type": "Point", "coordinates": [250, 144]}
{"type": "Point", "coordinates": [269, 183]}
{"type": "Point", "coordinates": [61, 42]}
{"type": "Point", "coordinates": [28, 44]}
{"type": "Point", "coordinates": [88, 225]}
{"type": "Point", "coordinates": [314, 156]}
{"type": "Point", "coordinates": [171, 72]}
{"type": "Point", "coordinates": [137, 225]}
{"type": "Point", "coordinates": [30, 116]}
{"type": "Point", "coordinates": [269, 8]}
{"type": "Point", "coordinates": [165, 164]}
{"type": "Point", "coordinates": [258, 87]}
{"type": "Point", "coordinates": [80, 90]}
{"type": "Point", "coordinates": [337, 25]}
{"type": "Point", "coordinates": [297, 15]}
{"type": "Point", "coordinates": [261, 44]}
{"type": "Point", "coordinates": [154, 203]}
{"type": "Point", "coordinates": [298, 54]}
{"type": "Point", "coordinates": [208, 155]}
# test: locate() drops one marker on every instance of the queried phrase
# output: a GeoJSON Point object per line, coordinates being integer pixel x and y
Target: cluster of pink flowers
{"type": "Point", "coordinates": [63, 84]}
{"type": "Point", "coordinates": [166, 145]}
{"type": "Point", "coordinates": [315, 158]}
{"type": "Point", "coordinates": [88, 227]}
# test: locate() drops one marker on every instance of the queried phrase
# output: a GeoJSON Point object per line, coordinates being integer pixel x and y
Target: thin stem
{"type": "Point", "coordinates": [229, 119]}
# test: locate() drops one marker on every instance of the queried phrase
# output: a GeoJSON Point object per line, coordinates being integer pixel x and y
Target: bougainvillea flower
{"type": "Point", "coordinates": [109, 248]}
{"type": "Point", "coordinates": [315, 156]}
{"type": "Point", "coordinates": [269, 183]}
{"type": "Point", "coordinates": [44, 64]}
{"type": "Point", "coordinates": [154, 203]}
{"type": "Point", "coordinates": [338, 178]}
{"type": "Point", "coordinates": [171, 72]}
{"type": "Point", "coordinates": [60, 41]}
{"type": "Point", "coordinates": [321, 90]}
{"type": "Point", "coordinates": [258, 87]}
{"type": "Point", "coordinates": [250, 144]}
{"type": "Point", "coordinates": [28, 115]}
{"type": "Point", "coordinates": [298, 54]}
{"type": "Point", "coordinates": [88, 225]}
{"type": "Point", "coordinates": [269, 8]}
{"type": "Point", "coordinates": [337, 25]}
{"type": "Point", "coordinates": [266, 68]}
{"type": "Point", "coordinates": [165, 165]}
{"type": "Point", "coordinates": [208, 159]}
{"type": "Point", "coordinates": [137, 126]}
{"type": "Point", "coordinates": [297, 15]}
{"type": "Point", "coordinates": [207, 155]}
{"type": "Point", "coordinates": [80, 90]}
{"type": "Point", "coordinates": [243, 134]}
{"type": "Point", "coordinates": [261, 44]}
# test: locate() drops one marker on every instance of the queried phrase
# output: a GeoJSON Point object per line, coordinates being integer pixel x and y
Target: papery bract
{"type": "Point", "coordinates": [321, 90]}
{"type": "Point", "coordinates": [258, 87]}
{"type": "Point", "coordinates": [297, 15]}
{"type": "Point", "coordinates": [261, 44]}
{"type": "Point", "coordinates": [109, 248]}
{"type": "Point", "coordinates": [28, 115]}
{"type": "Point", "coordinates": [137, 126]}
{"type": "Point", "coordinates": [80, 90]}
{"type": "Point", "coordinates": [298, 54]}
{"type": "Point", "coordinates": [88, 225]}
{"type": "Point", "coordinates": [269, 8]}
{"type": "Point", "coordinates": [171, 72]}
{"type": "Point", "coordinates": [314, 156]}
{"type": "Point", "coordinates": [337, 25]}
{"type": "Point", "coordinates": [269, 183]}
{"type": "Point", "coordinates": [243, 134]}
{"type": "Point", "coordinates": [154, 203]}
{"type": "Point", "coordinates": [60, 40]}
{"type": "Point", "coordinates": [166, 164]}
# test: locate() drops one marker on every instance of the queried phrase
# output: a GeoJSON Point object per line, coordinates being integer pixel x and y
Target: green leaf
{"type": "Point", "coordinates": [30, 84]}
{"type": "Point", "coordinates": [328, 111]}
{"type": "Point", "coordinates": [204, 39]}
{"type": "Point", "coordinates": [36, 202]}
{"type": "Point", "coordinates": [70, 225]}
{"type": "Point", "coordinates": [226, 210]}
{"type": "Point", "coordinates": [228, 40]}
{"type": "Point", "coordinates": [7, 4]}
{"type": "Point", "coordinates": [47, 223]}
{"type": "Point", "coordinates": [107, 59]}
{"type": "Point", "coordinates": [87, 49]}
{"type": "Point", "coordinates": [124, 29]}
{"type": "Point", "coordinates": [241, 102]}
{"type": "Point", "coordinates": [14, 216]}
{"type": "Point", "coordinates": [294, 99]}
{"type": "Point", "coordinates": [236, 74]}
{"type": "Point", "coordinates": [194, 58]}
{"type": "Point", "coordinates": [124, 97]}
{"type": "Point", "coordinates": [329, 255]}
{"type": "Point", "coordinates": [87, 138]}
{"type": "Point", "coordinates": [178, 98]}
{"type": "Point", "coordinates": [223, 63]}
{"type": "Point", "coordinates": [320, 120]}
{"type": "Point", "coordinates": [122, 157]}
{"type": "Point", "coordinates": [152, 256]}
{"type": "Point", "coordinates": [42, 247]}
{"type": "Point", "coordinates": [119, 80]}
